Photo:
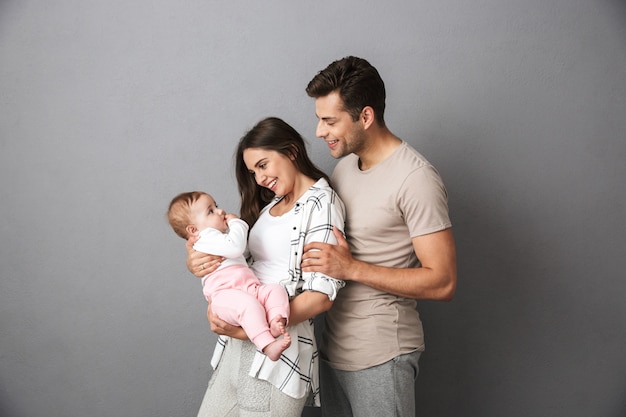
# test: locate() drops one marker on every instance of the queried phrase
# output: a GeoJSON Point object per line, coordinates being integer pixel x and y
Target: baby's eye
{"type": "Point", "coordinates": [210, 211]}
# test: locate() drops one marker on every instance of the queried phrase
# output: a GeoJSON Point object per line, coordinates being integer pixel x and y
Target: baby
{"type": "Point", "coordinates": [236, 295]}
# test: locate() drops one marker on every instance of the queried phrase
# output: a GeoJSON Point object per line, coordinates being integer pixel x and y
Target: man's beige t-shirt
{"type": "Point", "coordinates": [398, 199]}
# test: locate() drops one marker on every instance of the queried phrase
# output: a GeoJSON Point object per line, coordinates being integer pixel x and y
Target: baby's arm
{"type": "Point", "coordinates": [231, 244]}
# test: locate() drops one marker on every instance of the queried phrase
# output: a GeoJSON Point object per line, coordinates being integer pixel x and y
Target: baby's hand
{"type": "Point", "coordinates": [231, 216]}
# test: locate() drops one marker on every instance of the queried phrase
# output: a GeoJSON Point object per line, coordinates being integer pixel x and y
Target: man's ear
{"type": "Point", "coordinates": [367, 116]}
{"type": "Point", "coordinates": [191, 230]}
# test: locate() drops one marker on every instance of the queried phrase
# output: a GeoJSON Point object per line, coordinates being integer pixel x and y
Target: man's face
{"type": "Point", "coordinates": [342, 135]}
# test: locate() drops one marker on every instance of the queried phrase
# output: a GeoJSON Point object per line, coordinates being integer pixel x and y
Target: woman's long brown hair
{"type": "Point", "coordinates": [272, 134]}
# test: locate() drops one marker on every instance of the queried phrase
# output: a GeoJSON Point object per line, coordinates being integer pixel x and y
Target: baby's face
{"type": "Point", "coordinates": [205, 213]}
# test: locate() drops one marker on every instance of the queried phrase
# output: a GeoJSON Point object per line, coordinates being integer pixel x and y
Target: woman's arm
{"type": "Point", "coordinates": [306, 305]}
{"type": "Point", "coordinates": [326, 215]}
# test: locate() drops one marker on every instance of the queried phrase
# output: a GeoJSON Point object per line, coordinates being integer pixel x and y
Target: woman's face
{"type": "Point", "coordinates": [271, 170]}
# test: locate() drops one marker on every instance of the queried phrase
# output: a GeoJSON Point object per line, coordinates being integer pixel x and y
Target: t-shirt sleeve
{"type": "Point", "coordinates": [423, 200]}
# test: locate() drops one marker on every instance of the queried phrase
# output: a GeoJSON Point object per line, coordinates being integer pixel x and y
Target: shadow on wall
{"type": "Point", "coordinates": [472, 342]}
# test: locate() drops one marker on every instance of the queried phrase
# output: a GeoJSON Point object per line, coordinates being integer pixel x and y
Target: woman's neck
{"type": "Point", "coordinates": [301, 185]}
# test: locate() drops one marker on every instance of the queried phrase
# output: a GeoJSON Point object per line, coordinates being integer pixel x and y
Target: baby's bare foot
{"type": "Point", "coordinates": [277, 347]}
{"type": "Point", "coordinates": [277, 326]}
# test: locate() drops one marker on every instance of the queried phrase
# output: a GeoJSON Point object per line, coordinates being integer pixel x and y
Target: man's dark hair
{"type": "Point", "coordinates": [358, 84]}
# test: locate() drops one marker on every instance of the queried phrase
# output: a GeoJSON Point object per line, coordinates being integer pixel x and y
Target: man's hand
{"type": "Point", "coordinates": [333, 260]}
{"type": "Point", "coordinates": [198, 263]}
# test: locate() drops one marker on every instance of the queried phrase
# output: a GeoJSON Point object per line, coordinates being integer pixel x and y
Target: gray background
{"type": "Point", "coordinates": [110, 108]}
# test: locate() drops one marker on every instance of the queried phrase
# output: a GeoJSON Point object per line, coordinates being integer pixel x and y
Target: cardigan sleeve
{"type": "Point", "coordinates": [322, 211]}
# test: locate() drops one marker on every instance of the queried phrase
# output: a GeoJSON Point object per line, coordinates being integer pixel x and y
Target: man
{"type": "Point", "coordinates": [399, 248]}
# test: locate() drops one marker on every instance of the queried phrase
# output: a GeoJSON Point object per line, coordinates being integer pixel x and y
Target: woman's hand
{"type": "Point", "coordinates": [198, 263]}
{"type": "Point", "coordinates": [220, 327]}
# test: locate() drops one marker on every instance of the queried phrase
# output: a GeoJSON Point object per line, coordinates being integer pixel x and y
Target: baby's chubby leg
{"type": "Point", "coordinates": [276, 302]}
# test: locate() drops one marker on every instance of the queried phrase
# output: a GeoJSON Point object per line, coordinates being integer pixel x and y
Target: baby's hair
{"type": "Point", "coordinates": [179, 210]}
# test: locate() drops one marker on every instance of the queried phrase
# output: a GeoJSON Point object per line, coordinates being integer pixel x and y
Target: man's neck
{"type": "Point", "coordinates": [380, 145]}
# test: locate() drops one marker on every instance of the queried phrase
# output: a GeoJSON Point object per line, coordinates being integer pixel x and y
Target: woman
{"type": "Point", "coordinates": [288, 202]}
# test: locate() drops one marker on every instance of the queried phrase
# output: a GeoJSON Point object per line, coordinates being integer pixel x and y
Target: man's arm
{"type": "Point", "coordinates": [434, 280]}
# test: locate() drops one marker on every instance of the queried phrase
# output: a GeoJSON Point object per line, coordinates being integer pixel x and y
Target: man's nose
{"type": "Point", "coordinates": [321, 131]}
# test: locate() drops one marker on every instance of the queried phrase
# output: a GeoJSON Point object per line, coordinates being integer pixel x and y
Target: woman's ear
{"type": "Point", "coordinates": [294, 153]}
